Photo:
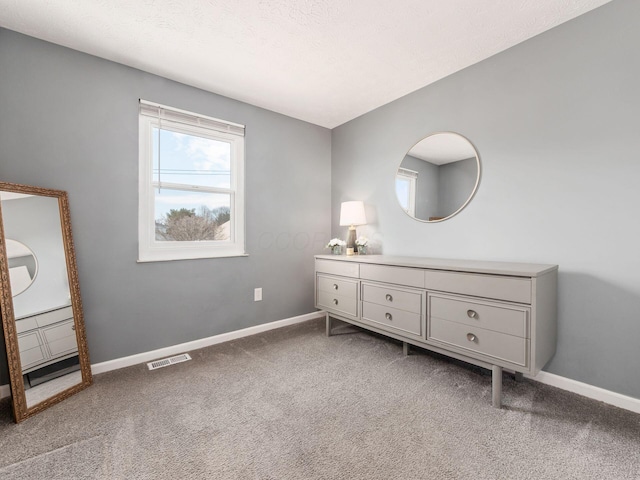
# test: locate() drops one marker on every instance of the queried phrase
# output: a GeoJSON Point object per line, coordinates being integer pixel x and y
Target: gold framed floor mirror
{"type": "Point", "coordinates": [40, 302]}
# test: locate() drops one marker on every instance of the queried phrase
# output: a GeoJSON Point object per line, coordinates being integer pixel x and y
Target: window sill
{"type": "Point", "coordinates": [151, 260]}
{"type": "Point", "coordinates": [160, 256]}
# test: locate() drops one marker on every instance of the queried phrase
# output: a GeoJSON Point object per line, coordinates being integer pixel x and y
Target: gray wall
{"type": "Point", "coordinates": [426, 185]}
{"type": "Point", "coordinates": [35, 222]}
{"type": "Point", "coordinates": [441, 189]}
{"type": "Point", "coordinates": [555, 121]}
{"type": "Point", "coordinates": [70, 121]}
{"type": "Point", "coordinates": [456, 180]}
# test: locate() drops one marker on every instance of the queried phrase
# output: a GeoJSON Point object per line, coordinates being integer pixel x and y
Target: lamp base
{"type": "Point", "coordinates": [351, 241]}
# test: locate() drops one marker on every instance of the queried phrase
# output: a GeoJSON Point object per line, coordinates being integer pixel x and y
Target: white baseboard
{"type": "Point", "coordinates": [195, 344]}
{"type": "Point", "coordinates": [102, 367]}
{"type": "Point", "coordinates": [584, 389]}
{"type": "Point", "coordinates": [5, 391]}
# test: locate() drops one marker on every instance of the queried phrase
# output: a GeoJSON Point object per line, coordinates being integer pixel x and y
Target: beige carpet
{"type": "Point", "coordinates": [294, 404]}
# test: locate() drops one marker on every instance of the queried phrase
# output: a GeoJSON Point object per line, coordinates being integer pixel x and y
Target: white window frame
{"type": "Point", "coordinates": [169, 118]}
{"type": "Point", "coordinates": [412, 177]}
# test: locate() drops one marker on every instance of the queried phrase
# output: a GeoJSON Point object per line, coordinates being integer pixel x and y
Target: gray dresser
{"type": "Point", "coordinates": [495, 315]}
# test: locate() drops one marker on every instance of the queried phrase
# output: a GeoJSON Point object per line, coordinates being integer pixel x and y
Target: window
{"type": "Point", "coordinates": [406, 190]}
{"type": "Point", "coordinates": [191, 185]}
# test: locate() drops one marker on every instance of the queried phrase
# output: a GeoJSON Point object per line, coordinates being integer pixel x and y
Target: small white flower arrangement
{"type": "Point", "coordinates": [361, 245]}
{"type": "Point", "coordinates": [336, 242]}
{"type": "Point", "coordinates": [362, 241]}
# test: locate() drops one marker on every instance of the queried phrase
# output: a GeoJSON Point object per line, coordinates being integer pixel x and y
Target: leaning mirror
{"type": "Point", "coordinates": [40, 302]}
{"type": "Point", "coordinates": [438, 177]}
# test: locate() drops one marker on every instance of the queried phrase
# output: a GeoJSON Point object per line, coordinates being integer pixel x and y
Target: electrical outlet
{"type": "Point", "coordinates": [257, 295]}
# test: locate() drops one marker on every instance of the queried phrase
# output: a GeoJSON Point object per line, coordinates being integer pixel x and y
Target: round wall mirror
{"type": "Point", "coordinates": [438, 177]}
{"type": "Point", "coordinates": [23, 266]}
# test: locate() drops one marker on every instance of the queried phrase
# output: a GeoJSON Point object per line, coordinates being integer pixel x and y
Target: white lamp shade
{"type": "Point", "coordinates": [352, 213]}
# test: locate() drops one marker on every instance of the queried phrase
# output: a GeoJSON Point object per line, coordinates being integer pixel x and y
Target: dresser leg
{"type": "Point", "coordinates": [328, 325]}
{"type": "Point", "coordinates": [406, 348]}
{"type": "Point", "coordinates": [496, 386]}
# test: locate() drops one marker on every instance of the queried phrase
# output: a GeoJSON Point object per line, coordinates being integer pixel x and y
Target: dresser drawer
{"type": "Point", "coordinates": [54, 316]}
{"type": "Point", "coordinates": [31, 351]}
{"type": "Point", "coordinates": [513, 289]}
{"type": "Point", "coordinates": [338, 286]}
{"type": "Point", "coordinates": [28, 341]}
{"type": "Point", "coordinates": [61, 339]}
{"type": "Point", "coordinates": [337, 267]}
{"type": "Point", "coordinates": [412, 277]}
{"type": "Point", "coordinates": [26, 324]}
{"type": "Point", "coordinates": [340, 304]}
{"type": "Point", "coordinates": [392, 317]}
{"type": "Point", "coordinates": [31, 357]}
{"type": "Point", "coordinates": [392, 297]}
{"type": "Point", "coordinates": [512, 320]}
{"type": "Point", "coordinates": [486, 342]}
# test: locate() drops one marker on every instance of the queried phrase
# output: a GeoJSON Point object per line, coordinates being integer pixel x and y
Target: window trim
{"type": "Point", "coordinates": [410, 176]}
{"type": "Point", "coordinates": [150, 250]}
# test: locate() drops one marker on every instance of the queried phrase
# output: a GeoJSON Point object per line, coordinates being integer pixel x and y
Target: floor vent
{"type": "Point", "coordinates": [165, 362]}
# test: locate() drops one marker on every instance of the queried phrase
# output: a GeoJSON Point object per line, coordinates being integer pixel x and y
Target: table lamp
{"type": "Point", "coordinates": [352, 214]}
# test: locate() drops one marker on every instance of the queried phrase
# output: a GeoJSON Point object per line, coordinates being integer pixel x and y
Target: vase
{"type": "Point", "coordinates": [362, 249]}
{"type": "Point", "coordinates": [336, 250]}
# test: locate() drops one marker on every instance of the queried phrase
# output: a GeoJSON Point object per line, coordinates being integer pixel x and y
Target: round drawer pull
{"type": "Point", "coordinates": [471, 337]}
{"type": "Point", "coordinates": [472, 314]}
{"type": "Point", "coordinates": [389, 298]}
{"type": "Point", "coordinates": [388, 316]}
{"type": "Point", "coordinates": [335, 286]}
{"type": "Point", "coordinates": [335, 301]}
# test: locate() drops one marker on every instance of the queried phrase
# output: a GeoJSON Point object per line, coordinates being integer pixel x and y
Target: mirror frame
{"type": "Point", "coordinates": [19, 402]}
{"type": "Point", "coordinates": [471, 195]}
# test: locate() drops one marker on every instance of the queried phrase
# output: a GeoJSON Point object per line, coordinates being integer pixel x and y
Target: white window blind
{"type": "Point", "coordinates": [405, 172]}
{"type": "Point", "coordinates": [162, 112]}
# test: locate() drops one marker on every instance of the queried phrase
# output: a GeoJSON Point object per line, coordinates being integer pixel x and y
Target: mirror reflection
{"type": "Point", "coordinates": [23, 266]}
{"type": "Point", "coordinates": [438, 177]}
{"type": "Point", "coordinates": [42, 303]}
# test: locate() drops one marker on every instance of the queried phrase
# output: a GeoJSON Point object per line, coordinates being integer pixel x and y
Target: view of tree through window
{"type": "Point", "coordinates": [191, 180]}
{"type": "Point", "coordinates": [188, 225]}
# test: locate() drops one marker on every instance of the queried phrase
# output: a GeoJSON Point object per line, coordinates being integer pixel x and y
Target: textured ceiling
{"type": "Point", "coordinates": [323, 61]}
